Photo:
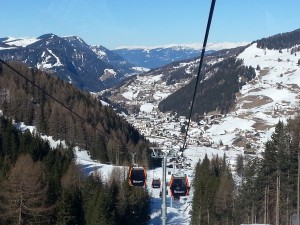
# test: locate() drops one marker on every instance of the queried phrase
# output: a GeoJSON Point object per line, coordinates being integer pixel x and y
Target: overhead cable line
{"type": "Point", "coordinates": [58, 101]}
{"type": "Point", "coordinates": [212, 7]}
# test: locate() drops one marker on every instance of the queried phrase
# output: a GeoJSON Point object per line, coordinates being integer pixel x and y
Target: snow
{"type": "Point", "coordinates": [90, 166]}
{"type": "Point", "coordinates": [110, 71]}
{"type": "Point", "coordinates": [160, 95]}
{"type": "Point", "coordinates": [140, 69]}
{"type": "Point", "coordinates": [148, 107]}
{"type": "Point", "coordinates": [177, 210]}
{"type": "Point", "coordinates": [53, 143]}
{"type": "Point", "coordinates": [104, 103]}
{"type": "Point", "coordinates": [130, 95]}
{"type": "Point", "coordinates": [2, 48]}
{"type": "Point", "coordinates": [70, 79]}
{"type": "Point", "coordinates": [20, 42]}
{"type": "Point", "coordinates": [272, 96]}
{"type": "Point", "coordinates": [107, 73]}
{"type": "Point", "coordinates": [46, 56]}
{"type": "Point", "coordinates": [155, 78]}
{"type": "Point", "coordinates": [58, 63]}
{"type": "Point", "coordinates": [96, 48]}
{"type": "Point", "coordinates": [194, 46]}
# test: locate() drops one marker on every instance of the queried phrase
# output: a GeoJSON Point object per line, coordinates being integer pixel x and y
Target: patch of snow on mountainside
{"type": "Point", "coordinates": [99, 52]}
{"type": "Point", "coordinates": [130, 95]}
{"type": "Point", "coordinates": [107, 74]}
{"type": "Point", "coordinates": [272, 96]}
{"type": "Point", "coordinates": [44, 64]}
{"type": "Point", "coordinates": [140, 69]}
{"type": "Point", "coordinates": [20, 42]}
{"type": "Point", "coordinates": [46, 57]}
{"type": "Point", "coordinates": [148, 107]}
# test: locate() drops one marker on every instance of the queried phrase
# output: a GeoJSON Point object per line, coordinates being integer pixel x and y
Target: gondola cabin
{"type": "Point", "coordinates": [137, 176]}
{"type": "Point", "coordinates": [179, 186]}
{"type": "Point", "coordinates": [156, 183]}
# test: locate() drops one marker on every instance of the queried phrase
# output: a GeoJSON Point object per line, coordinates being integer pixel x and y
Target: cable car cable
{"type": "Point", "coordinates": [200, 68]}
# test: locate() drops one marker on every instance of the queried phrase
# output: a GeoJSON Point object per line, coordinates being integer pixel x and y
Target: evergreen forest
{"type": "Point", "coordinates": [40, 185]}
{"type": "Point", "coordinates": [280, 41]}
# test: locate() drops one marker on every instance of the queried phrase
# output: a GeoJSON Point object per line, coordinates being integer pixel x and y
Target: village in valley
{"type": "Point", "coordinates": [245, 129]}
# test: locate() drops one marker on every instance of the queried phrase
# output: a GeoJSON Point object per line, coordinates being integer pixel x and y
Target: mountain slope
{"type": "Point", "coordinates": [216, 91]}
{"type": "Point", "coordinates": [278, 51]}
{"type": "Point", "coordinates": [116, 60]}
{"type": "Point", "coordinates": [99, 129]}
{"type": "Point", "coordinates": [70, 58]}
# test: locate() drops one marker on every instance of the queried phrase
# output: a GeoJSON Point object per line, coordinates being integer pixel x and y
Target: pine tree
{"type": "Point", "coordinates": [70, 207]}
{"type": "Point", "coordinates": [239, 165]}
{"type": "Point", "coordinates": [224, 198]}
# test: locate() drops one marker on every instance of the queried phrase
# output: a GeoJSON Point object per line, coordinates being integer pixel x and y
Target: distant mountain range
{"type": "Point", "coordinates": [70, 58]}
{"type": "Point", "coordinates": [93, 68]}
{"type": "Point", "coordinates": [155, 57]}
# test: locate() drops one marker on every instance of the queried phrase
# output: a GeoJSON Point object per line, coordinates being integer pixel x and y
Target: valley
{"type": "Point", "coordinates": [271, 96]}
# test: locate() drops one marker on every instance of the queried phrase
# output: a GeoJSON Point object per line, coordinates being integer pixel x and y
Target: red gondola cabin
{"type": "Point", "coordinates": [137, 176]}
{"type": "Point", "coordinates": [156, 183]}
{"type": "Point", "coordinates": [179, 186]}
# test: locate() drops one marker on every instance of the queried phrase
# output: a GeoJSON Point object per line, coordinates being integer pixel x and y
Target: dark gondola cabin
{"type": "Point", "coordinates": [179, 186]}
{"type": "Point", "coordinates": [156, 183]}
{"type": "Point", "coordinates": [137, 176]}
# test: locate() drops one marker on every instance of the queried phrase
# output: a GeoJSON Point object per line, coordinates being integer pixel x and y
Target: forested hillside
{"type": "Point", "coordinates": [267, 191]}
{"type": "Point", "coordinates": [280, 41]}
{"type": "Point", "coordinates": [22, 102]}
{"type": "Point", "coordinates": [39, 185]}
{"type": "Point", "coordinates": [215, 92]}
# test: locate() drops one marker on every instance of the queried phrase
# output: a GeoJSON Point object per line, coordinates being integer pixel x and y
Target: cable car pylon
{"type": "Point", "coordinates": [163, 153]}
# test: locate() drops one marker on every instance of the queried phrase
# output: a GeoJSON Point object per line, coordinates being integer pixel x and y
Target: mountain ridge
{"type": "Point", "coordinates": [70, 58]}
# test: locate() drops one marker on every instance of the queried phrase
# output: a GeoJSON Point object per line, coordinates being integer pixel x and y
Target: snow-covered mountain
{"type": "Point", "coordinates": [117, 61]}
{"type": "Point", "coordinates": [70, 58]}
{"type": "Point", "coordinates": [271, 96]}
{"type": "Point", "coordinates": [158, 56]}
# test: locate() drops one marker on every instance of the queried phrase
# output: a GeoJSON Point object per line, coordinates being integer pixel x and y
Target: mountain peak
{"type": "Point", "coordinates": [47, 36]}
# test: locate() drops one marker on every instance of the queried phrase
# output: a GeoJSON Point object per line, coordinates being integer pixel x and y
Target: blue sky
{"type": "Point", "coordinates": [114, 23]}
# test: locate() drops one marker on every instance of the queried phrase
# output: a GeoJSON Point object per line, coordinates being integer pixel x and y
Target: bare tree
{"type": "Point", "coordinates": [24, 194]}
